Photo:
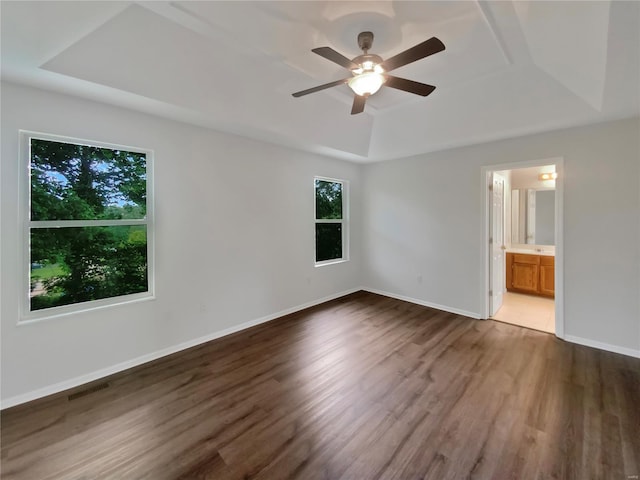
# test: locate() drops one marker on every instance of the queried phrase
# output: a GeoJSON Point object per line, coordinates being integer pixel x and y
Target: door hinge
{"type": "Point", "coordinates": [491, 293]}
{"type": "Point", "coordinates": [490, 240]}
{"type": "Point", "coordinates": [491, 188]}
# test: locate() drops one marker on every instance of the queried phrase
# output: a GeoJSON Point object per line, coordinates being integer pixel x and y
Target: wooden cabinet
{"type": "Point", "coordinates": [547, 283]}
{"type": "Point", "coordinates": [532, 274]}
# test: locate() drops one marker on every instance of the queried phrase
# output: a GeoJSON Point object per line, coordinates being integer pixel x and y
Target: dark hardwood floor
{"type": "Point", "coordinates": [363, 387]}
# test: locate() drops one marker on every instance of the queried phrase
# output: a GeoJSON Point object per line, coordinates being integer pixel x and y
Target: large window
{"type": "Point", "coordinates": [88, 226]}
{"type": "Point", "coordinates": [331, 224]}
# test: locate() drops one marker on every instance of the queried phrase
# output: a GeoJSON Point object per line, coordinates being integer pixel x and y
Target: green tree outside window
{"type": "Point", "coordinates": [329, 220]}
{"type": "Point", "coordinates": [88, 223]}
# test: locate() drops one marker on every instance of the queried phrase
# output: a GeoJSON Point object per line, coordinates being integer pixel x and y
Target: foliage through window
{"type": "Point", "coordinates": [88, 222]}
{"type": "Point", "coordinates": [330, 220]}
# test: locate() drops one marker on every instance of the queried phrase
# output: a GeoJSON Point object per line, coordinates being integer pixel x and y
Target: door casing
{"type": "Point", "coordinates": [486, 202]}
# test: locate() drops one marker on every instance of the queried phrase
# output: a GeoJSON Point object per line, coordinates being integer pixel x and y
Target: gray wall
{"type": "Point", "coordinates": [234, 236]}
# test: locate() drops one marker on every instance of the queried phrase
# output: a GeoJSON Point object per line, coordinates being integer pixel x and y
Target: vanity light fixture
{"type": "Point", "coordinates": [547, 176]}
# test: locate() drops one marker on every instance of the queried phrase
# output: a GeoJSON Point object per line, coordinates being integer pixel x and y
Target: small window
{"type": "Point", "coordinates": [331, 224]}
{"type": "Point", "coordinates": [87, 226]}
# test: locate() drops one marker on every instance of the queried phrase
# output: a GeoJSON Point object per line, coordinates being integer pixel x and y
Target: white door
{"type": "Point", "coordinates": [496, 243]}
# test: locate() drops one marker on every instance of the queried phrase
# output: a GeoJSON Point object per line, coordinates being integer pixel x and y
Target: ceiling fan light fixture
{"type": "Point", "coordinates": [366, 83]}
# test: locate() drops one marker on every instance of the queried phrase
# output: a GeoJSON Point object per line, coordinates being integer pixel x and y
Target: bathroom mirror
{"type": "Point", "coordinates": [533, 216]}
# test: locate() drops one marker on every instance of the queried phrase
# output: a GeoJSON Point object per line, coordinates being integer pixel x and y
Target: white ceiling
{"type": "Point", "coordinates": [509, 68]}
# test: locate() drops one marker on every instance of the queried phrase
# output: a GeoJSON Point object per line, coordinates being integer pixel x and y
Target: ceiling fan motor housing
{"type": "Point", "coordinates": [365, 40]}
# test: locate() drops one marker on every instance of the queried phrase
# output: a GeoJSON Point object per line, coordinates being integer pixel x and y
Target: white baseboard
{"type": "Point", "coordinates": [603, 346]}
{"type": "Point", "coordinates": [105, 372]}
{"type": "Point", "coordinates": [424, 304]}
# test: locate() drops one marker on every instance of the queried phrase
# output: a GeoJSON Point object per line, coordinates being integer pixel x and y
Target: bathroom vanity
{"type": "Point", "coordinates": [531, 273]}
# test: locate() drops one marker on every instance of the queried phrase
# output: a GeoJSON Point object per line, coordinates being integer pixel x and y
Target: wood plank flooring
{"type": "Point", "coordinates": [363, 387]}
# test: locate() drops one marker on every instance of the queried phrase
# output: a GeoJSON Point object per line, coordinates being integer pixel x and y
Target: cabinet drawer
{"type": "Point", "coordinates": [531, 259]}
{"type": "Point", "coordinates": [546, 260]}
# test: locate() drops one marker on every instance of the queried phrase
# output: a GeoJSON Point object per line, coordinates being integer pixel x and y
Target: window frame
{"type": "Point", "coordinates": [344, 221]}
{"type": "Point", "coordinates": [27, 315]}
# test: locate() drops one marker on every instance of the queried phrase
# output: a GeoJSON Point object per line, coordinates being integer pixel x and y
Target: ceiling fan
{"type": "Point", "coordinates": [369, 72]}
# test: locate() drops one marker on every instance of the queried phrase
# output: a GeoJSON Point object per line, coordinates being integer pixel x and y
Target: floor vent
{"type": "Point", "coordinates": [88, 391]}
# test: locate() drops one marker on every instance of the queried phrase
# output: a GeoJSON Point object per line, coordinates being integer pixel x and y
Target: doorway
{"type": "Point", "coordinates": [522, 244]}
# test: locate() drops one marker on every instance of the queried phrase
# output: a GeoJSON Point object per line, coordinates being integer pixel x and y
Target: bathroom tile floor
{"type": "Point", "coordinates": [528, 311]}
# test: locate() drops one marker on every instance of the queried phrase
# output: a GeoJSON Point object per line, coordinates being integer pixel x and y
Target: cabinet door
{"type": "Point", "coordinates": [547, 278]}
{"type": "Point", "coordinates": [524, 277]}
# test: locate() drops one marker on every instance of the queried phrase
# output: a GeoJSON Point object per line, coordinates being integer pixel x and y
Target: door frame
{"type": "Point", "coordinates": [486, 178]}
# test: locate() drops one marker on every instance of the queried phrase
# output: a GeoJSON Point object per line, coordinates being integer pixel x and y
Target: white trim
{"type": "Point", "coordinates": [331, 262]}
{"type": "Point", "coordinates": [603, 346]}
{"type": "Point", "coordinates": [26, 315]}
{"type": "Point", "coordinates": [568, 338]}
{"type": "Point", "coordinates": [485, 280]}
{"type": "Point", "coordinates": [104, 372]}
{"type": "Point", "coordinates": [444, 308]}
{"type": "Point", "coordinates": [82, 141]}
{"type": "Point", "coordinates": [558, 271]}
{"type": "Point", "coordinates": [87, 223]}
{"type": "Point", "coordinates": [38, 316]}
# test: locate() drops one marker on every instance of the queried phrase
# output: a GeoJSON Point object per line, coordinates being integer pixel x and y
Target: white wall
{"type": "Point", "coordinates": [234, 241]}
{"type": "Point", "coordinates": [422, 217]}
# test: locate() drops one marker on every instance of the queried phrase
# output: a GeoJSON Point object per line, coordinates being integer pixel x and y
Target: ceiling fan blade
{"type": "Point", "coordinates": [409, 85]}
{"type": "Point", "coordinates": [330, 54]}
{"type": "Point", "coordinates": [358, 104]}
{"type": "Point", "coordinates": [424, 49]}
{"type": "Point", "coordinates": [320, 87]}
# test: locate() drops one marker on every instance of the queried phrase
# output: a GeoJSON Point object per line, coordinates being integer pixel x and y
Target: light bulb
{"type": "Point", "coordinates": [366, 83]}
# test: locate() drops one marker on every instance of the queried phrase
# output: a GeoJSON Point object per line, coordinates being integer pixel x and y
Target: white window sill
{"type": "Point", "coordinates": [331, 262]}
{"type": "Point", "coordinates": [55, 312]}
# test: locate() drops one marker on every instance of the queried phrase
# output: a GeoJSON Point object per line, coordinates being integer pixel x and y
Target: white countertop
{"type": "Point", "coordinates": [533, 251]}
